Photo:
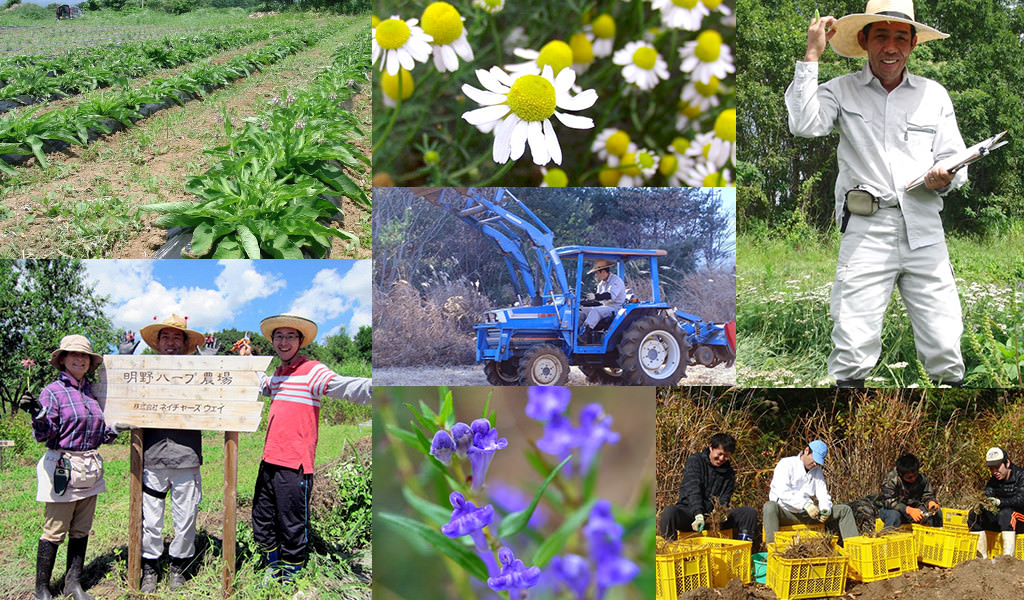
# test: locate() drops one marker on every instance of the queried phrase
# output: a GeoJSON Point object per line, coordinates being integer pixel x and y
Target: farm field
{"type": "Point", "coordinates": [281, 102]}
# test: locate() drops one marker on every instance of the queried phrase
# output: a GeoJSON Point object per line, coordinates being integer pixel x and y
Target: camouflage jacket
{"type": "Point", "coordinates": [898, 494]}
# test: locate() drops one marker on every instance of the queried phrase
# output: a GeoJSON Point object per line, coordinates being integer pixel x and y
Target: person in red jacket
{"type": "Point", "coordinates": [280, 505]}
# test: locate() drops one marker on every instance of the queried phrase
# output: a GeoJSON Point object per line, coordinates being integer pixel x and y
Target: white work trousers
{"type": "Point", "coordinates": [185, 489]}
{"type": "Point", "coordinates": [873, 256]}
{"type": "Point", "coordinates": [596, 313]}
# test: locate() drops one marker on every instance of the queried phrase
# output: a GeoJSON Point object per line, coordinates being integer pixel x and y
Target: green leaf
{"type": "Point", "coordinates": [424, 422]}
{"type": "Point", "coordinates": [435, 513]}
{"type": "Point", "coordinates": [463, 556]}
{"type": "Point", "coordinates": [406, 436]}
{"type": "Point", "coordinates": [554, 543]}
{"type": "Point", "coordinates": [202, 239]}
{"type": "Point", "coordinates": [446, 406]}
{"type": "Point", "coordinates": [515, 522]}
{"type": "Point", "coordinates": [249, 242]}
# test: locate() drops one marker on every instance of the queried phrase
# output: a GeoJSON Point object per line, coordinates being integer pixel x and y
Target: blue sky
{"type": "Point", "coordinates": [226, 294]}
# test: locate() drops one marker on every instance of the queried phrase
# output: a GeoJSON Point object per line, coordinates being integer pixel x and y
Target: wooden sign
{"type": "Point", "coordinates": [4, 443]}
{"type": "Point", "coordinates": [219, 393]}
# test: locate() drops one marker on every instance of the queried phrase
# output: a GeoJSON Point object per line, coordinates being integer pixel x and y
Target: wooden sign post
{"type": "Point", "coordinates": [219, 393]}
{"type": "Point", "coordinates": [4, 444]}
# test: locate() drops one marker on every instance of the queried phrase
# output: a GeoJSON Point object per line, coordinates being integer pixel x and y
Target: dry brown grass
{"type": "Point", "coordinates": [811, 547]}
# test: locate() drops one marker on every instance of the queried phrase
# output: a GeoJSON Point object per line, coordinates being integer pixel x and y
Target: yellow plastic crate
{"type": "Point", "coordinates": [995, 545]}
{"type": "Point", "coordinates": [682, 569]}
{"type": "Point", "coordinates": [686, 535]}
{"type": "Point", "coordinates": [874, 559]}
{"type": "Point", "coordinates": [729, 558]}
{"type": "Point", "coordinates": [954, 518]}
{"type": "Point", "coordinates": [792, 578]}
{"type": "Point", "coordinates": [880, 525]}
{"type": "Point", "coordinates": [794, 528]}
{"type": "Point", "coordinates": [944, 547]}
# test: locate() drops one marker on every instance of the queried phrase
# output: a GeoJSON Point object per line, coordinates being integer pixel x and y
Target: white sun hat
{"type": "Point", "coordinates": [844, 42]}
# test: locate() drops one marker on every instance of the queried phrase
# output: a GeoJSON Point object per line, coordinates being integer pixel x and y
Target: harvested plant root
{"type": "Point", "coordinates": [810, 547]}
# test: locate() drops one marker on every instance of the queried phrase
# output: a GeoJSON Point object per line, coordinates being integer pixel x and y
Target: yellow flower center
{"type": "Point", "coordinates": [709, 46]}
{"type": "Point", "coordinates": [645, 57]}
{"type": "Point", "coordinates": [668, 165]}
{"type": "Point", "coordinates": [725, 125]}
{"type": "Point", "coordinates": [708, 89]}
{"type": "Point", "coordinates": [389, 84]}
{"type": "Point", "coordinates": [609, 177]}
{"type": "Point", "coordinates": [431, 157]}
{"type": "Point", "coordinates": [685, 3]}
{"type": "Point", "coordinates": [493, 3]}
{"type": "Point", "coordinates": [706, 150]}
{"type": "Point", "coordinates": [532, 98]}
{"type": "Point", "coordinates": [711, 4]}
{"type": "Point", "coordinates": [690, 111]}
{"type": "Point", "coordinates": [715, 180]}
{"type": "Point", "coordinates": [374, 20]}
{"type": "Point", "coordinates": [582, 50]}
{"type": "Point", "coordinates": [392, 34]}
{"type": "Point", "coordinates": [443, 22]}
{"type": "Point", "coordinates": [632, 163]}
{"type": "Point", "coordinates": [680, 144]}
{"type": "Point", "coordinates": [555, 53]}
{"type": "Point", "coordinates": [556, 178]}
{"type": "Point", "coordinates": [604, 27]}
{"type": "Point", "coordinates": [617, 143]}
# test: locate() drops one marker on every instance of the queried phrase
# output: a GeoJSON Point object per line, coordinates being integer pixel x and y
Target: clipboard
{"type": "Point", "coordinates": [962, 159]}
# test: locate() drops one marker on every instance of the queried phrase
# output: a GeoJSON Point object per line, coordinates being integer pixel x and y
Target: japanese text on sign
{"type": "Point", "coordinates": [206, 378]}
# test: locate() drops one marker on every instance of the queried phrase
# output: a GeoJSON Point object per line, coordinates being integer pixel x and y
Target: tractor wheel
{"type": "Point", "coordinates": [725, 356]}
{"type": "Point", "coordinates": [603, 375]}
{"type": "Point", "coordinates": [653, 352]}
{"type": "Point", "coordinates": [705, 355]}
{"type": "Point", "coordinates": [504, 372]}
{"type": "Point", "coordinates": [544, 364]}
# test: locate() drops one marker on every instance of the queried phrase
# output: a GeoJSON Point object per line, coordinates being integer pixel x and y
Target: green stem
{"type": "Point", "coordinates": [503, 170]}
{"type": "Point", "coordinates": [394, 116]}
{"type": "Point", "coordinates": [497, 40]}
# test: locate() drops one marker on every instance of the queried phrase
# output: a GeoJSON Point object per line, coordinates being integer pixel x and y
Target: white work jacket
{"type": "Point", "coordinates": [614, 286]}
{"type": "Point", "coordinates": [886, 139]}
{"type": "Point", "coordinates": [793, 486]}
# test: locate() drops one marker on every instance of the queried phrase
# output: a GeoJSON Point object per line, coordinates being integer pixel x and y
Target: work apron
{"type": "Point", "coordinates": [86, 475]}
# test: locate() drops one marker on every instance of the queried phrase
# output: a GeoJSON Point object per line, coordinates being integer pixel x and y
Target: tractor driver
{"type": "Point", "coordinates": [611, 292]}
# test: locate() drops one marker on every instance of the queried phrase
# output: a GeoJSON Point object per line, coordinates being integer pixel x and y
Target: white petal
{"type": "Point", "coordinates": [485, 114]}
{"type": "Point", "coordinates": [450, 60]}
{"type": "Point", "coordinates": [481, 97]}
{"type": "Point", "coordinates": [526, 53]}
{"type": "Point", "coordinates": [577, 102]}
{"type": "Point", "coordinates": [462, 47]}
{"type": "Point", "coordinates": [538, 149]}
{"type": "Point", "coordinates": [518, 141]}
{"type": "Point", "coordinates": [406, 59]}
{"type": "Point", "coordinates": [575, 121]}
{"type": "Point", "coordinates": [630, 73]}
{"type": "Point", "coordinates": [491, 82]}
{"type": "Point", "coordinates": [392, 61]}
{"type": "Point", "coordinates": [502, 139]}
{"type": "Point", "coordinates": [564, 81]}
{"type": "Point", "coordinates": [552, 142]}
{"type": "Point", "coordinates": [376, 52]}
{"type": "Point", "coordinates": [438, 62]}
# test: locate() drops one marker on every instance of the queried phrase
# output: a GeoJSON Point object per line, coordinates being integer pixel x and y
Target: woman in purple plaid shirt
{"type": "Point", "coordinates": [70, 422]}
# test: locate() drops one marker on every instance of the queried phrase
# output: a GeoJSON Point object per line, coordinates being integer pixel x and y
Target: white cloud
{"type": "Point", "coordinates": [241, 282]}
{"type": "Point", "coordinates": [332, 294]}
{"type": "Point", "coordinates": [120, 280]}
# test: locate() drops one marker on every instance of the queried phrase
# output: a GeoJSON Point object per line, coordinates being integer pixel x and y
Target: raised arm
{"type": "Point", "coordinates": [812, 109]}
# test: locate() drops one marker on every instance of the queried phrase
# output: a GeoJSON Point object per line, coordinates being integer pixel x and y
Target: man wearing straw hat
{"type": "Point", "coordinates": [610, 296]}
{"type": "Point", "coordinates": [280, 504]}
{"type": "Point", "coordinates": [893, 126]}
{"type": "Point", "coordinates": [171, 459]}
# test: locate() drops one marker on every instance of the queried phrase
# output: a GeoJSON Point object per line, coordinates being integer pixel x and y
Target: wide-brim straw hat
{"type": "Point", "coordinates": [193, 339]}
{"type": "Point", "coordinates": [75, 343]}
{"type": "Point", "coordinates": [844, 42]}
{"type": "Point", "coordinates": [601, 263]}
{"type": "Point", "coordinates": [301, 324]}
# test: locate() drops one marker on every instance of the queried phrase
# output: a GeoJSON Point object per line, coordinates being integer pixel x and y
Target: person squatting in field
{"type": "Point", "coordinates": [280, 505]}
{"type": "Point", "coordinates": [893, 126]}
{"type": "Point", "coordinates": [907, 496]}
{"type": "Point", "coordinates": [1004, 491]}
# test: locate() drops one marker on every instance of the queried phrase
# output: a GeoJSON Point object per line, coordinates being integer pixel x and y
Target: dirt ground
{"type": "Point", "coordinates": [465, 375]}
{"type": "Point", "coordinates": [1001, 579]}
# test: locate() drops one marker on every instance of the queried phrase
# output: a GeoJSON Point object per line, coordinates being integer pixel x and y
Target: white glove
{"type": "Point", "coordinates": [698, 523]}
{"type": "Point", "coordinates": [812, 510]}
{"type": "Point", "coordinates": [824, 514]}
{"type": "Point", "coordinates": [994, 501]}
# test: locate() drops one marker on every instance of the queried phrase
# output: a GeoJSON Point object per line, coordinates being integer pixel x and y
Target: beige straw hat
{"type": "Point", "coordinates": [844, 42]}
{"type": "Point", "coordinates": [193, 339]}
{"type": "Point", "coordinates": [601, 263]}
{"type": "Point", "coordinates": [75, 343]}
{"type": "Point", "coordinates": [301, 324]}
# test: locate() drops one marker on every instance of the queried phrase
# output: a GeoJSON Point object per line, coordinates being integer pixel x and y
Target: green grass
{"type": "Point", "coordinates": [783, 288]}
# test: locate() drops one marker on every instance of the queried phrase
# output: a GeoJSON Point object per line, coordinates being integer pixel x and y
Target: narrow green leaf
{"type": "Point", "coordinates": [515, 522]}
{"type": "Point", "coordinates": [463, 556]}
{"type": "Point", "coordinates": [406, 436]}
{"type": "Point", "coordinates": [554, 543]}
{"type": "Point", "coordinates": [435, 513]}
{"type": "Point", "coordinates": [446, 406]}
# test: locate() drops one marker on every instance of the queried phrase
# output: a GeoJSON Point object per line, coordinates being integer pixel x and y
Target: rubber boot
{"type": "Point", "coordinates": [286, 575]}
{"type": "Point", "coordinates": [176, 573]}
{"type": "Point", "coordinates": [744, 536]}
{"type": "Point", "coordinates": [272, 563]}
{"type": "Point", "coordinates": [76, 562]}
{"type": "Point", "coordinates": [1009, 542]}
{"type": "Point", "coordinates": [149, 576]}
{"type": "Point", "coordinates": [849, 383]}
{"type": "Point", "coordinates": [982, 544]}
{"type": "Point", "coordinates": [45, 557]}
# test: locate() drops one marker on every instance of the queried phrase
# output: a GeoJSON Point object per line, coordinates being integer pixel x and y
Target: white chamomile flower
{"type": "Point", "coordinates": [556, 54]}
{"type": "Point", "coordinates": [489, 6]}
{"type": "Point", "coordinates": [609, 176]}
{"type": "Point", "coordinates": [612, 143]}
{"type": "Point", "coordinates": [687, 114]}
{"type": "Point", "coordinates": [681, 14]}
{"type": "Point", "coordinates": [675, 164]}
{"type": "Point", "coordinates": [553, 177]}
{"type": "Point", "coordinates": [641, 65]}
{"type": "Point", "coordinates": [582, 52]}
{"type": "Point", "coordinates": [601, 34]}
{"type": "Point", "coordinates": [706, 57]}
{"type": "Point", "coordinates": [519, 109]}
{"type": "Point", "coordinates": [701, 95]}
{"type": "Point", "coordinates": [701, 145]}
{"type": "Point", "coordinates": [400, 43]}
{"type": "Point", "coordinates": [723, 144]}
{"type": "Point", "coordinates": [389, 84]}
{"type": "Point", "coordinates": [443, 22]}
{"type": "Point", "coordinates": [717, 5]}
{"type": "Point", "coordinates": [704, 174]}
{"type": "Point", "coordinates": [637, 167]}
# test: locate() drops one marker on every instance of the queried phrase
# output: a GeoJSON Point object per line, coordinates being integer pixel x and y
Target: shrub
{"type": "Point", "coordinates": [409, 329]}
{"type": "Point", "coordinates": [342, 515]}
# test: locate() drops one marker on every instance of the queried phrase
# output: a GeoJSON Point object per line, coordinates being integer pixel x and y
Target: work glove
{"type": "Point", "coordinates": [812, 510]}
{"type": "Point", "coordinates": [30, 404]}
{"type": "Point", "coordinates": [824, 515]}
{"type": "Point", "coordinates": [933, 506]}
{"type": "Point", "coordinates": [127, 343]}
{"type": "Point", "coordinates": [698, 523]}
{"type": "Point", "coordinates": [591, 296]}
{"type": "Point", "coordinates": [994, 501]}
{"type": "Point", "coordinates": [603, 296]}
{"type": "Point", "coordinates": [120, 428]}
{"type": "Point", "coordinates": [915, 513]}
{"type": "Point", "coordinates": [210, 348]}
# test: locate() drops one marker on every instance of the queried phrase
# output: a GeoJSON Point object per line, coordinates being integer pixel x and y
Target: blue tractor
{"type": "Point", "coordinates": [534, 342]}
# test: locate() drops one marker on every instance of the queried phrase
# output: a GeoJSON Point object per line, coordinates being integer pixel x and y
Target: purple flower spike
{"type": "Point", "coordinates": [594, 431]}
{"type": "Point", "coordinates": [572, 571]}
{"type": "Point", "coordinates": [514, 574]}
{"type": "Point", "coordinates": [463, 437]}
{"type": "Point", "coordinates": [482, 451]}
{"type": "Point", "coordinates": [442, 447]}
{"type": "Point", "coordinates": [559, 439]}
{"type": "Point", "coordinates": [546, 402]}
{"type": "Point", "coordinates": [466, 517]}
{"type": "Point", "coordinates": [603, 534]}
{"type": "Point", "coordinates": [616, 571]}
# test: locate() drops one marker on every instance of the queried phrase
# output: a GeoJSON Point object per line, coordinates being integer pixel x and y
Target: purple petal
{"type": "Point", "coordinates": [442, 447]}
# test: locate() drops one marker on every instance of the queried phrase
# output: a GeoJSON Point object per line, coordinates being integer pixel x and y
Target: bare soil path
{"type": "Point", "coordinates": [465, 375]}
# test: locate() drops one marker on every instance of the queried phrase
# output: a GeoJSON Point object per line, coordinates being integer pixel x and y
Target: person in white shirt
{"type": "Point", "coordinates": [798, 494]}
{"type": "Point", "coordinates": [893, 126]}
{"type": "Point", "coordinates": [611, 293]}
